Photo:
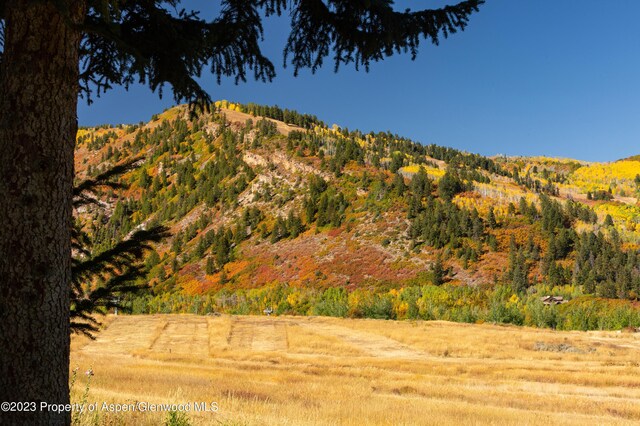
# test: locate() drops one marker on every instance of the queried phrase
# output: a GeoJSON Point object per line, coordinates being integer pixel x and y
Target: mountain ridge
{"type": "Point", "coordinates": [254, 201]}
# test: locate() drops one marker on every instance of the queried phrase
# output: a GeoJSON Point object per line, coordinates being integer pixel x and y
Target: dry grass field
{"type": "Point", "coordinates": [317, 371]}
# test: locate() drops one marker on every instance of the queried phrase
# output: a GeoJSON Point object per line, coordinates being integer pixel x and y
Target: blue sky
{"type": "Point", "coordinates": [527, 77]}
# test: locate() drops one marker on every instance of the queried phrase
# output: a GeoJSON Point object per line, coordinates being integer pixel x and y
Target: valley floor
{"type": "Point", "coordinates": [317, 371]}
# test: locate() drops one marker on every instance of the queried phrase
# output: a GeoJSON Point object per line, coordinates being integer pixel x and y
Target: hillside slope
{"type": "Point", "coordinates": [258, 196]}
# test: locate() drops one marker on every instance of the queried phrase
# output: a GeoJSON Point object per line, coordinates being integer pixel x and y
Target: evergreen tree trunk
{"type": "Point", "coordinates": [38, 100]}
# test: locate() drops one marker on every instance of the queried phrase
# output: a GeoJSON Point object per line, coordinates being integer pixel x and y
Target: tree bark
{"type": "Point", "coordinates": [38, 101]}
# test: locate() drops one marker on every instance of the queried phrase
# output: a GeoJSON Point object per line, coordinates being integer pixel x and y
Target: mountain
{"type": "Point", "coordinates": [632, 158]}
{"type": "Point", "coordinates": [259, 197]}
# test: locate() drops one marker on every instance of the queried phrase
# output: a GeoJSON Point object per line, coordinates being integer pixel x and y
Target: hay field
{"type": "Point", "coordinates": [321, 371]}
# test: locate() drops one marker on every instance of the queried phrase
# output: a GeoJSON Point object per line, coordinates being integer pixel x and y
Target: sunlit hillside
{"type": "Point", "coordinates": [268, 207]}
{"type": "Point", "coordinates": [620, 176]}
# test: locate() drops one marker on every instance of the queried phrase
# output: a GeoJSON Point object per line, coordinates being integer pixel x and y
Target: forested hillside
{"type": "Point", "coordinates": [271, 208]}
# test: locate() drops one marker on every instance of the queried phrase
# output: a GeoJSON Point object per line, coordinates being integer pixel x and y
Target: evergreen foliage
{"type": "Point", "coordinates": [101, 278]}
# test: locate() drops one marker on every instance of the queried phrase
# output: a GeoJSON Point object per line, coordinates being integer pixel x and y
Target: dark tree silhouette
{"type": "Point", "coordinates": [118, 267]}
{"type": "Point", "coordinates": [52, 51]}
